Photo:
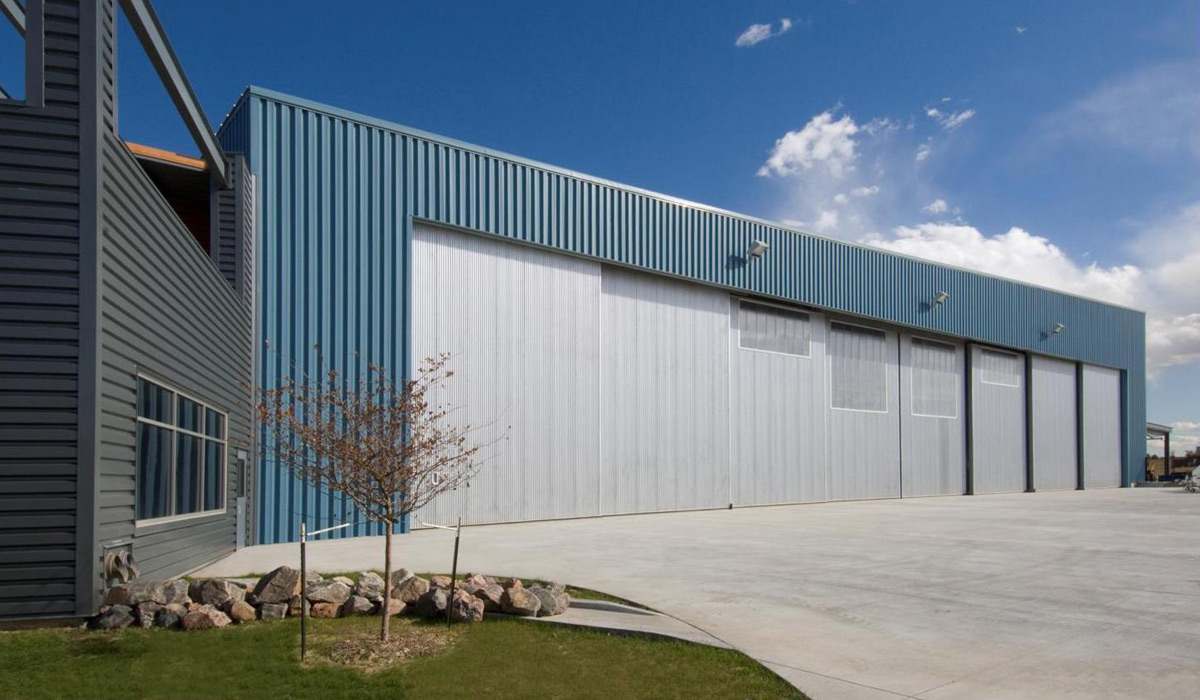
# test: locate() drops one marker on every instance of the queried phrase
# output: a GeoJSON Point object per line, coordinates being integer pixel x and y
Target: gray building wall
{"type": "Point", "coordinates": [39, 332]}
{"type": "Point", "coordinates": [934, 451]}
{"type": "Point", "coordinates": [997, 424]}
{"type": "Point", "coordinates": [1101, 427]}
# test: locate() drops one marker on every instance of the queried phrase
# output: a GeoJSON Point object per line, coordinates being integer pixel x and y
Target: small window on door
{"type": "Point", "coordinates": [999, 368]}
{"type": "Point", "coordinates": [858, 360]}
{"type": "Point", "coordinates": [772, 329]}
{"type": "Point", "coordinates": [934, 379]}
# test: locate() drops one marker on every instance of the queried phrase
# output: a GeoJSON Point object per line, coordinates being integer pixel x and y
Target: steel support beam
{"type": "Point", "coordinates": [149, 30]}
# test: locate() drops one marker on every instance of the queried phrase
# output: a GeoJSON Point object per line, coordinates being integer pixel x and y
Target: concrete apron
{"type": "Point", "coordinates": [1074, 594]}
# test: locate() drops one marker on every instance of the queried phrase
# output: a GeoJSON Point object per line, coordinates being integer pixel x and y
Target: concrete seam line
{"type": "Point", "coordinates": [840, 680]}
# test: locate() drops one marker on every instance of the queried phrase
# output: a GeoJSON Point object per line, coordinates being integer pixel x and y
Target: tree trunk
{"type": "Point", "coordinates": [387, 581]}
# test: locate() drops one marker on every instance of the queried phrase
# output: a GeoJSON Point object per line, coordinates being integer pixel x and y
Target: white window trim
{"type": "Point", "coordinates": [829, 371]}
{"type": "Point", "coordinates": [223, 441]}
{"type": "Point", "coordinates": [738, 325]}
{"type": "Point", "coordinates": [957, 383]}
{"type": "Point", "coordinates": [999, 352]}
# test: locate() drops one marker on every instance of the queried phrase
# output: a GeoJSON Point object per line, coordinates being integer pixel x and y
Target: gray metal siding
{"type": "Point", "coordinates": [777, 420]}
{"type": "Point", "coordinates": [665, 425]}
{"type": "Point", "coordinates": [39, 333]}
{"type": "Point", "coordinates": [522, 327]}
{"type": "Point", "coordinates": [933, 448]}
{"type": "Point", "coordinates": [1055, 463]}
{"type": "Point", "coordinates": [166, 311]}
{"type": "Point", "coordinates": [998, 424]}
{"type": "Point", "coordinates": [1101, 427]}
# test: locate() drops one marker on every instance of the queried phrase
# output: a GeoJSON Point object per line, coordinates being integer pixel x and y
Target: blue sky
{"type": "Point", "coordinates": [1057, 142]}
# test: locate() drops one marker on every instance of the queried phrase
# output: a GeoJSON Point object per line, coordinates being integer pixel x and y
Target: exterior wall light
{"type": "Point", "coordinates": [757, 248]}
{"type": "Point", "coordinates": [1059, 328]}
{"type": "Point", "coordinates": [941, 298]}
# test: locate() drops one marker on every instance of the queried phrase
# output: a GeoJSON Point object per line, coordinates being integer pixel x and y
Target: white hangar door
{"type": "Point", "coordinates": [777, 394]}
{"type": "Point", "coordinates": [522, 327]}
{"type": "Point", "coordinates": [864, 423]}
{"type": "Point", "coordinates": [933, 426]}
{"type": "Point", "coordinates": [1101, 427]}
{"type": "Point", "coordinates": [1055, 463]}
{"type": "Point", "coordinates": [665, 394]}
{"type": "Point", "coordinates": [998, 420]}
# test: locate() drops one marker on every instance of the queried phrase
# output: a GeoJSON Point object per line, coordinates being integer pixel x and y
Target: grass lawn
{"type": "Point", "coordinates": [495, 659]}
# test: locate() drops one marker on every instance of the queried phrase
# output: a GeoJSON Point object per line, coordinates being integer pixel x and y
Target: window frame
{"type": "Point", "coordinates": [982, 372]}
{"type": "Point", "coordinates": [779, 307]}
{"type": "Point", "coordinates": [887, 396]}
{"type": "Point", "coordinates": [958, 389]}
{"type": "Point", "coordinates": [34, 36]}
{"type": "Point", "coordinates": [173, 441]}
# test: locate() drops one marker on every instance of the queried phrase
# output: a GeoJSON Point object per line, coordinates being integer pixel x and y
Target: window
{"type": "Point", "coordinates": [181, 454]}
{"type": "Point", "coordinates": [12, 58]}
{"type": "Point", "coordinates": [999, 368]}
{"type": "Point", "coordinates": [857, 368]}
{"type": "Point", "coordinates": [770, 328]}
{"type": "Point", "coordinates": [934, 379]}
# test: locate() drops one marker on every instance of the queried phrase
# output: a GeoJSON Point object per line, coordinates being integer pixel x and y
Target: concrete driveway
{"type": "Point", "coordinates": [1092, 594]}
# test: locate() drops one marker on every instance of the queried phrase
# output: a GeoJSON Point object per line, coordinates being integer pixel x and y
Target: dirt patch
{"type": "Point", "coordinates": [407, 642]}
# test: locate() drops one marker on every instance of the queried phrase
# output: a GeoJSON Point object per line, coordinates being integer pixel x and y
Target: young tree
{"type": "Point", "coordinates": [391, 449]}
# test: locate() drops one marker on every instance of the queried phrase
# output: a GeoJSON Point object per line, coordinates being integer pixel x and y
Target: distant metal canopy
{"type": "Point", "coordinates": [1157, 431]}
{"type": "Point", "coordinates": [145, 24]}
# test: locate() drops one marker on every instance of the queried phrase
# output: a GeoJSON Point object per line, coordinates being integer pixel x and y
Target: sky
{"type": "Point", "coordinates": [1053, 142]}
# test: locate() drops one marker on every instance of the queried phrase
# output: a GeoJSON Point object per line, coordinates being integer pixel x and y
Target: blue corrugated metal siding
{"type": "Point", "coordinates": [340, 191]}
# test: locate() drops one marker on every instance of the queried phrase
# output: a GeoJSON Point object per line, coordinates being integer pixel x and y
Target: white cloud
{"type": "Point", "coordinates": [937, 206]}
{"type": "Point", "coordinates": [924, 151]}
{"type": "Point", "coordinates": [1152, 112]}
{"type": "Point", "coordinates": [758, 33]}
{"type": "Point", "coordinates": [841, 198]}
{"type": "Point", "coordinates": [822, 142]}
{"type": "Point", "coordinates": [949, 120]}
{"type": "Point", "coordinates": [1020, 29]}
{"type": "Point", "coordinates": [865, 191]}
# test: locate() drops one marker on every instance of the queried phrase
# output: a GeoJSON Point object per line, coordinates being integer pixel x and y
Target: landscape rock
{"type": "Point", "coordinates": [473, 583]}
{"type": "Point", "coordinates": [241, 611]}
{"type": "Point", "coordinates": [344, 580]}
{"type": "Point", "coordinates": [395, 607]}
{"type": "Point", "coordinates": [492, 595]}
{"type": "Point", "coordinates": [176, 592]}
{"type": "Point", "coordinates": [554, 600]}
{"type": "Point", "coordinates": [279, 586]}
{"type": "Point", "coordinates": [328, 592]}
{"type": "Point", "coordinates": [313, 578]}
{"type": "Point", "coordinates": [431, 604]}
{"type": "Point", "coordinates": [400, 576]}
{"type": "Point", "coordinates": [294, 606]}
{"type": "Point", "coordinates": [114, 618]}
{"type": "Point", "coordinates": [325, 609]}
{"type": "Point", "coordinates": [369, 585]}
{"type": "Point", "coordinates": [169, 616]}
{"type": "Point", "coordinates": [205, 617]}
{"type": "Point", "coordinates": [357, 605]}
{"type": "Point", "coordinates": [273, 611]}
{"type": "Point", "coordinates": [135, 593]}
{"type": "Point", "coordinates": [440, 581]}
{"type": "Point", "coordinates": [411, 589]}
{"type": "Point", "coordinates": [145, 613]}
{"type": "Point", "coordinates": [216, 592]}
{"type": "Point", "coordinates": [465, 607]}
{"type": "Point", "coordinates": [517, 600]}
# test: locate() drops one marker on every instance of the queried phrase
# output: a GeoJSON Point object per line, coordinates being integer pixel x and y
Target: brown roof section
{"type": "Point", "coordinates": [166, 156]}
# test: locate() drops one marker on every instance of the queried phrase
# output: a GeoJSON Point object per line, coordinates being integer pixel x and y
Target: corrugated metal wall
{"type": "Point", "coordinates": [997, 422]}
{"type": "Point", "coordinates": [778, 416]}
{"type": "Point", "coordinates": [522, 327]}
{"type": "Point", "coordinates": [863, 443]}
{"type": "Point", "coordinates": [933, 443]}
{"type": "Point", "coordinates": [340, 190]}
{"type": "Point", "coordinates": [1054, 427]}
{"type": "Point", "coordinates": [1102, 427]}
{"type": "Point", "coordinates": [39, 334]}
{"type": "Point", "coordinates": [665, 359]}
